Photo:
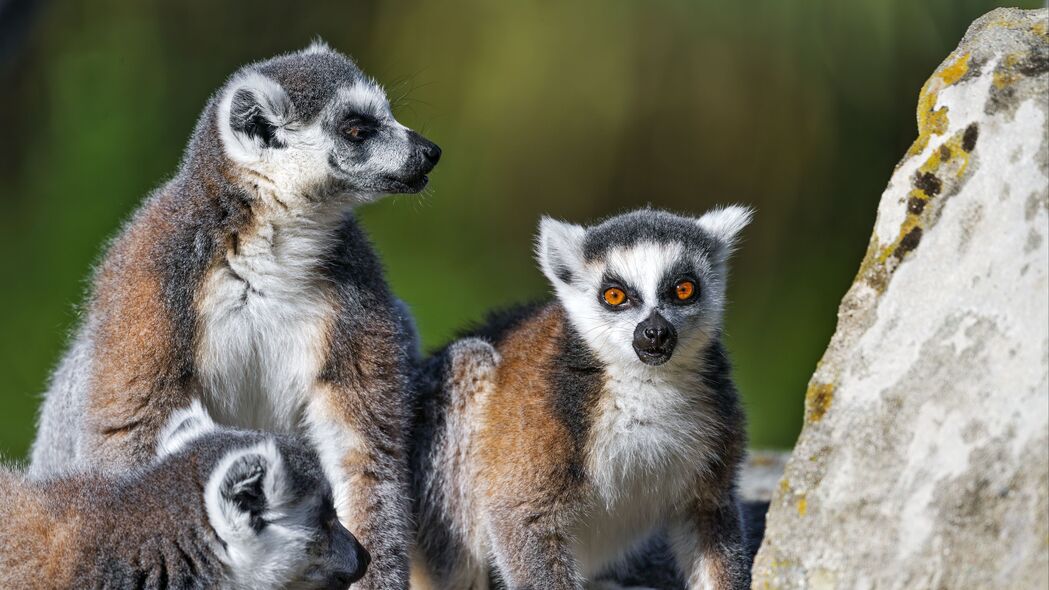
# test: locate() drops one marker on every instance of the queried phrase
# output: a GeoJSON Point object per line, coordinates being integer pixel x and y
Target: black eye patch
{"type": "Point", "coordinates": [680, 271]}
{"type": "Point", "coordinates": [611, 280]}
{"type": "Point", "coordinates": [359, 118]}
{"type": "Point", "coordinates": [357, 127]}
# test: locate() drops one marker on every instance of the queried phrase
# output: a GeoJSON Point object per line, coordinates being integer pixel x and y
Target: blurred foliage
{"type": "Point", "coordinates": [573, 109]}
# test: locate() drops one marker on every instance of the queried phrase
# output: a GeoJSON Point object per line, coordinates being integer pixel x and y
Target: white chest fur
{"type": "Point", "coordinates": [264, 322]}
{"type": "Point", "coordinates": [646, 447]}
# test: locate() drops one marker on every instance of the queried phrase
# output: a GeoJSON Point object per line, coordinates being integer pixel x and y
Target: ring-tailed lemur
{"type": "Point", "coordinates": [246, 282]}
{"type": "Point", "coordinates": [218, 508]}
{"type": "Point", "coordinates": [552, 441]}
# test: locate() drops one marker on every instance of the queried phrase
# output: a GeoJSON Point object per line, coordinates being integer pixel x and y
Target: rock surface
{"type": "Point", "coordinates": [924, 459]}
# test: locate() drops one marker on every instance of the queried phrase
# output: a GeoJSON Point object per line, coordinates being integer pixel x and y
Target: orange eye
{"type": "Point", "coordinates": [685, 290]}
{"type": "Point", "coordinates": [614, 296]}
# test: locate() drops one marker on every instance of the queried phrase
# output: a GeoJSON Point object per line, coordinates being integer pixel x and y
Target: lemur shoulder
{"type": "Point", "coordinates": [246, 282]}
{"type": "Point", "coordinates": [554, 440]}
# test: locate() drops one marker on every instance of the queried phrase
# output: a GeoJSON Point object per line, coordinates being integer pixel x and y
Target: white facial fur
{"type": "Point", "coordinates": [642, 267]}
{"type": "Point", "coordinates": [301, 170]}
{"type": "Point", "coordinates": [389, 156]}
{"type": "Point", "coordinates": [650, 431]}
{"type": "Point", "coordinates": [276, 554]}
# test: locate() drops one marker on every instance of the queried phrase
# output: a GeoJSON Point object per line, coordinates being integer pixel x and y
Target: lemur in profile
{"type": "Point", "coordinates": [246, 282]}
{"type": "Point", "coordinates": [218, 508]}
{"type": "Point", "coordinates": [554, 440]}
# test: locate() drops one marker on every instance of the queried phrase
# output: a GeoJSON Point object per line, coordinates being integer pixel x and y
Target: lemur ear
{"type": "Point", "coordinates": [245, 484]}
{"type": "Point", "coordinates": [559, 250]}
{"type": "Point", "coordinates": [183, 427]}
{"type": "Point", "coordinates": [724, 225]}
{"type": "Point", "coordinates": [253, 115]}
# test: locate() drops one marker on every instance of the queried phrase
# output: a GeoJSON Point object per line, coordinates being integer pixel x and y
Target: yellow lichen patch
{"type": "Point", "coordinates": [865, 273]}
{"type": "Point", "coordinates": [803, 505]}
{"type": "Point", "coordinates": [955, 71]}
{"type": "Point", "coordinates": [1039, 28]}
{"type": "Point", "coordinates": [1005, 73]}
{"type": "Point", "coordinates": [818, 399]}
{"type": "Point", "coordinates": [911, 224]}
{"type": "Point", "coordinates": [945, 164]}
{"type": "Point", "coordinates": [933, 121]}
{"type": "Point", "coordinates": [784, 485]}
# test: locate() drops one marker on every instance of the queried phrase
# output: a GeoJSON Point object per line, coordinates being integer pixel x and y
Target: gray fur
{"type": "Point", "coordinates": [246, 282]}
{"type": "Point", "coordinates": [641, 446]}
{"type": "Point", "coordinates": [62, 411]}
{"type": "Point", "coordinates": [152, 528]}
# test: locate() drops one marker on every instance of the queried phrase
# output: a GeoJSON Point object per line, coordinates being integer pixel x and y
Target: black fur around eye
{"type": "Point", "coordinates": [615, 296]}
{"type": "Point", "coordinates": [328, 516]}
{"type": "Point", "coordinates": [357, 128]}
{"type": "Point", "coordinates": [684, 291]}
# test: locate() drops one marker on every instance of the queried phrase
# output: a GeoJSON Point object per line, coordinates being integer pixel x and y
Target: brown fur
{"type": "Point", "coordinates": [520, 437]}
{"type": "Point", "coordinates": [246, 282]}
{"type": "Point", "coordinates": [529, 478]}
{"type": "Point", "coordinates": [135, 385]}
{"type": "Point", "coordinates": [36, 546]}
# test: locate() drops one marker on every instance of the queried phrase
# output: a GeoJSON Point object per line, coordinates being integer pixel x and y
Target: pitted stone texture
{"type": "Point", "coordinates": [924, 459]}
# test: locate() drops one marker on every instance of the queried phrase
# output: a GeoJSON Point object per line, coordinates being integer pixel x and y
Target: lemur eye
{"type": "Point", "coordinates": [614, 296]}
{"type": "Point", "coordinates": [356, 130]}
{"type": "Point", "coordinates": [685, 290]}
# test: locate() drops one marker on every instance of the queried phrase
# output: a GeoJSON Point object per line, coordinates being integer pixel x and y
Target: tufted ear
{"type": "Point", "coordinates": [183, 427]}
{"type": "Point", "coordinates": [559, 250]}
{"type": "Point", "coordinates": [253, 115]}
{"type": "Point", "coordinates": [724, 225]}
{"type": "Point", "coordinates": [244, 485]}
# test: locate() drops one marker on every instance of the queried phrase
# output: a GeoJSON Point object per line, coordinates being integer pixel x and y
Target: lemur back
{"type": "Point", "coordinates": [553, 441]}
{"type": "Point", "coordinates": [218, 509]}
{"type": "Point", "coordinates": [246, 282]}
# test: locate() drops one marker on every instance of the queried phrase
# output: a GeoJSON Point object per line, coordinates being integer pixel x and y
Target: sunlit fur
{"type": "Point", "coordinates": [642, 266]}
{"type": "Point", "coordinates": [649, 430]}
{"type": "Point", "coordinates": [178, 522]}
{"type": "Point", "coordinates": [549, 447]}
{"type": "Point", "coordinates": [313, 163]}
{"type": "Point", "coordinates": [246, 282]}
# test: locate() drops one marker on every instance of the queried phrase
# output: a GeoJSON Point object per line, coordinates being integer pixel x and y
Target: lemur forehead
{"type": "Point", "coordinates": [364, 97]}
{"type": "Point", "coordinates": [648, 266]}
{"type": "Point", "coordinates": [653, 227]}
{"type": "Point", "coordinates": [312, 78]}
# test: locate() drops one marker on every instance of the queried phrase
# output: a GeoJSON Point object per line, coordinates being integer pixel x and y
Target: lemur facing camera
{"type": "Point", "coordinates": [218, 508]}
{"type": "Point", "coordinates": [552, 441]}
{"type": "Point", "coordinates": [246, 282]}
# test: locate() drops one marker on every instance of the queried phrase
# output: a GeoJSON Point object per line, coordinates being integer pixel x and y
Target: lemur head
{"type": "Point", "coordinates": [641, 285]}
{"type": "Point", "coordinates": [312, 124]}
{"type": "Point", "coordinates": [268, 503]}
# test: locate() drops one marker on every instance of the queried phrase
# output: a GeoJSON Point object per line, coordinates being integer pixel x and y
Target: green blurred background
{"type": "Point", "coordinates": [574, 109]}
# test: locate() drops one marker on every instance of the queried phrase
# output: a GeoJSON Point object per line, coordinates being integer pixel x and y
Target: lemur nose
{"type": "Point", "coordinates": [432, 153]}
{"type": "Point", "coordinates": [655, 335]}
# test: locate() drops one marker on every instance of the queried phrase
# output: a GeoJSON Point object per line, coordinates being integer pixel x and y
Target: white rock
{"type": "Point", "coordinates": [924, 460]}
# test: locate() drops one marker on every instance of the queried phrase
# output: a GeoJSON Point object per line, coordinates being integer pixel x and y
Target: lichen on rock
{"type": "Point", "coordinates": [924, 459]}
